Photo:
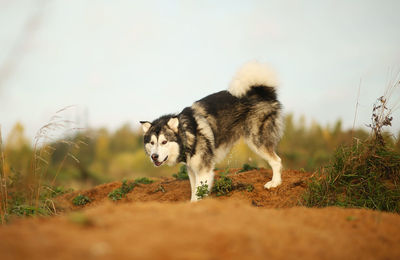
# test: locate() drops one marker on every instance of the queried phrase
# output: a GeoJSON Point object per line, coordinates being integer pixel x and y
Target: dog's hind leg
{"type": "Point", "coordinates": [273, 160]}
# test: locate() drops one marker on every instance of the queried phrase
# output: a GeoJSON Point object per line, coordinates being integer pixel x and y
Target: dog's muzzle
{"type": "Point", "coordinates": [154, 157]}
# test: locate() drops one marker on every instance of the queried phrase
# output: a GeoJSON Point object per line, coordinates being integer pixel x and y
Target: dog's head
{"type": "Point", "coordinates": [161, 140]}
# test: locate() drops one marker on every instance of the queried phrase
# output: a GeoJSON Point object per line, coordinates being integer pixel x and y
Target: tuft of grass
{"type": "Point", "coordinates": [364, 175]}
{"type": "Point", "coordinates": [143, 180]}
{"type": "Point", "coordinates": [182, 173]}
{"type": "Point", "coordinates": [247, 167]}
{"type": "Point", "coordinates": [121, 192]}
{"type": "Point", "coordinates": [223, 186]}
{"type": "Point", "coordinates": [202, 190]}
{"type": "Point", "coordinates": [81, 200]}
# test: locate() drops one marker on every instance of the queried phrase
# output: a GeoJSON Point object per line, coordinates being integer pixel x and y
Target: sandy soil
{"type": "Point", "coordinates": [151, 224]}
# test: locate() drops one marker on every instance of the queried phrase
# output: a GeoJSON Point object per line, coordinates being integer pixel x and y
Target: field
{"type": "Point", "coordinates": [160, 223]}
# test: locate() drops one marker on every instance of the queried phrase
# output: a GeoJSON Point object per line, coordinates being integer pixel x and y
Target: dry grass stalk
{"type": "Point", "coordinates": [42, 151]}
{"type": "Point", "coordinates": [33, 184]}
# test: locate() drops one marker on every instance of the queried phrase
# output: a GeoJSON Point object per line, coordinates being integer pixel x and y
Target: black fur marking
{"type": "Point", "coordinates": [267, 120]}
{"type": "Point", "coordinates": [261, 93]}
{"type": "Point", "coordinates": [187, 123]}
{"type": "Point", "coordinates": [234, 111]}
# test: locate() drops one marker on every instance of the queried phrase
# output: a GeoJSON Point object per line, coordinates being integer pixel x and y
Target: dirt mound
{"type": "Point", "coordinates": [168, 189]}
{"type": "Point", "coordinates": [210, 229]}
{"type": "Point", "coordinates": [155, 223]}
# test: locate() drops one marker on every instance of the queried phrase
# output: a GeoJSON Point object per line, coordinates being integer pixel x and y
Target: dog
{"type": "Point", "coordinates": [203, 134]}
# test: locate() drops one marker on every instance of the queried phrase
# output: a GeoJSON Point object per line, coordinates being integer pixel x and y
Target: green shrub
{"type": "Point", "coordinates": [143, 180]}
{"type": "Point", "coordinates": [81, 200]}
{"type": "Point", "coordinates": [121, 192]}
{"type": "Point", "coordinates": [223, 186]}
{"type": "Point", "coordinates": [182, 173]}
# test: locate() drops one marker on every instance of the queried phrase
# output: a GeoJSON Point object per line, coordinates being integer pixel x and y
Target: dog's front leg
{"type": "Point", "coordinates": [192, 179]}
{"type": "Point", "coordinates": [204, 181]}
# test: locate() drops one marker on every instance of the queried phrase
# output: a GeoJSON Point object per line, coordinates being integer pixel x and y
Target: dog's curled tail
{"type": "Point", "coordinates": [252, 74]}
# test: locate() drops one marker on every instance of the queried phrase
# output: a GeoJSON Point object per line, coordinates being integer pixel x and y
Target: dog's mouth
{"type": "Point", "coordinates": [157, 163]}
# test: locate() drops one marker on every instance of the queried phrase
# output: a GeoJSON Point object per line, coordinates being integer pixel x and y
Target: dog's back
{"type": "Point", "coordinates": [245, 110]}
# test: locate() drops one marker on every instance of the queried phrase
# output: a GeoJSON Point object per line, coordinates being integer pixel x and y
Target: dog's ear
{"type": "Point", "coordinates": [145, 126]}
{"type": "Point", "coordinates": [173, 123]}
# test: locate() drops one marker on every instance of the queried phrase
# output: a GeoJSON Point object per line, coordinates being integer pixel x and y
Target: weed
{"type": "Point", "coordinates": [380, 118]}
{"type": "Point", "coordinates": [223, 186]}
{"type": "Point", "coordinates": [143, 180]}
{"type": "Point", "coordinates": [249, 187]}
{"type": "Point", "coordinates": [27, 211]}
{"type": "Point", "coordinates": [81, 200]}
{"type": "Point", "coordinates": [247, 167]}
{"type": "Point", "coordinates": [244, 186]}
{"type": "Point", "coordinates": [202, 190]}
{"type": "Point", "coordinates": [225, 172]}
{"type": "Point", "coordinates": [121, 192]}
{"type": "Point", "coordinates": [182, 173]}
{"type": "Point", "coordinates": [160, 188]}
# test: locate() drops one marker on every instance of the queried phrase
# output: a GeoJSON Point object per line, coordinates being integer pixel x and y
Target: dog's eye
{"type": "Point", "coordinates": [164, 142]}
{"type": "Point", "coordinates": [152, 143]}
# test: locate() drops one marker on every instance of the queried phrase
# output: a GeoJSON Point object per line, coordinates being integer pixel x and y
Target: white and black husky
{"type": "Point", "coordinates": [204, 133]}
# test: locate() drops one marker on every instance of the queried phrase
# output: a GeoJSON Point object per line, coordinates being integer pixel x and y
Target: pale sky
{"type": "Point", "coordinates": [125, 61]}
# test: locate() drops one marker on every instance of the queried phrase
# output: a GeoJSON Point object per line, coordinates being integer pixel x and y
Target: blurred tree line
{"type": "Point", "coordinates": [96, 155]}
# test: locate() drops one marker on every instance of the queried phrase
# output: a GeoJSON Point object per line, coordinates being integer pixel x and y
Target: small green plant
{"type": "Point", "coordinates": [249, 187]}
{"type": "Point", "coordinates": [247, 167]}
{"type": "Point", "coordinates": [143, 180]}
{"type": "Point", "coordinates": [182, 173]}
{"type": "Point", "coordinates": [202, 190]}
{"type": "Point", "coordinates": [160, 188]}
{"type": "Point", "coordinates": [121, 192]}
{"type": "Point", "coordinates": [81, 200]}
{"type": "Point", "coordinates": [243, 186]}
{"type": "Point", "coordinates": [56, 191]}
{"type": "Point", "coordinates": [225, 172]}
{"type": "Point", "coordinates": [223, 186]}
{"type": "Point", "coordinates": [27, 211]}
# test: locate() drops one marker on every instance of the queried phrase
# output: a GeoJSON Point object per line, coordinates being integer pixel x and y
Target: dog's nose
{"type": "Point", "coordinates": [154, 156]}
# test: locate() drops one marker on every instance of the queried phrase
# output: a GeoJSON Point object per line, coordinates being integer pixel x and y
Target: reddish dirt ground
{"type": "Point", "coordinates": [151, 224]}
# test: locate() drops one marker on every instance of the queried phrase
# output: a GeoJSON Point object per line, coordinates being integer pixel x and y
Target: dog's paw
{"type": "Point", "coordinates": [272, 184]}
{"type": "Point", "coordinates": [194, 199]}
